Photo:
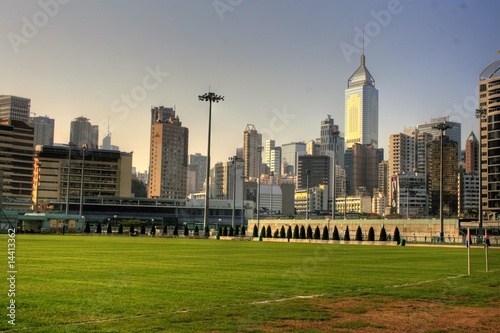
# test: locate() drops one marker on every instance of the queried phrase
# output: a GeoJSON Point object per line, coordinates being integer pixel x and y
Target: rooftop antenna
{"type": "Point", "coordinates": [363, 50]}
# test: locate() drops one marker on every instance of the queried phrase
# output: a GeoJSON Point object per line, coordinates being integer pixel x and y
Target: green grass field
{"type": "Point", "coordinates": [141, 284]}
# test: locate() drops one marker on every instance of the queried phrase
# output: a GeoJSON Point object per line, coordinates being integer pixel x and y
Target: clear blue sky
{"type": "Point", "coordinates": [282, 65]}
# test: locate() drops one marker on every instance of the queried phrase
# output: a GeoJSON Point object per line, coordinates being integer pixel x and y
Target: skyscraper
{"type": "Point", "coordinates": [252, 140]}
{"type": "Point", "coordinates": [471, 153]}
{"type": "Point", "coordinates": [44, 130]}
{"type": "Point", "coordinates": [82, 132]}
{"type": "Point", "coordinates": [454, 133]}
{"type": "Point", "coordinates": [290, 153]}
{"type": "Point", "coordinates": [13, 107]}
{"type": "Point", "coordinates": [168, 155]}
{"type": "Point", "coordinates": [361, 108]}
{"type": "Point", "coordinates": [489, 101]}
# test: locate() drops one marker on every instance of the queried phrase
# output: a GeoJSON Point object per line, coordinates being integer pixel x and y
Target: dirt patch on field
{"type": "Point", "coordinates": [368, 315]}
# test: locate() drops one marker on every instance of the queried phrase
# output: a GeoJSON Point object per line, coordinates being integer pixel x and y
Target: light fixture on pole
{"type": "Point", "coordinates": [233, 160]}
{"type": "Point", "coordinates": [441, 127]}
{"type": "Point", "coordinates": [84, 152]}
{"type": "Point", "coordinates": [208, 97]}
{"type": "Point", "coordinates": [259, 150]}
{"type": "Point", "coordinates": [480, 115]}
{"type": "Point", "coordinates": [335, 134]}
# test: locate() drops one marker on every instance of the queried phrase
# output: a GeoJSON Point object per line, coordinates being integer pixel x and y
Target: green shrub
{"type": "Point", "coordinates": [326, 235]}
{"type": "Point", "coordinates": [176, 230]}
{"type": "Point", "coordinates": [196, 230]}
{"type": "Point", "coordinates": [296, 232]}
{"type": "Point", "coordinates": [359, 234]}
{"type": "Point", "coordinates": [243, 231]}
{"type": "Point", "coordinates": [309, 232]}
{"type": "Point", "coordinates": [186, 230]}
{"type": "Point", "coordinates": [346, 235]}
{"type": "Point", "coordinates": [302, 232]}
{"type": "Point", "coordinates": [153, 230]}
{"type": "Point", "coordinates": [397, 236]}
{"type": "Point", "coordinates": [371, 235]}
{"type": "Point", "coordinates": [269, 233]}
{"type": "Point", "coordinates": [87, 228]}
{"type": "Point", "coordinates": [132, 229]}
{"type": "Point", "coordinates": [99, 230]}
{"type": "Point", "coordinates": [109, 231]}
{"type": "Point", "coordinates": [317, 233]}
{"type": "Point", "coordinates": [255, 231]}
{"type": "Point", "coordinates": [231, 231]}
{"type": "Point", "coordinates": [289, 232]}
{"type": "Point", "coordinates": [120, 229]}
{"type": "Point", "coordinates": [336, 235]}
{"type": "Point", "coordinates": [276, 233]}
{"type": "Point", "coordinates": [383, 235]}
{"type": "Point", "coordinates": [143, 229]}
{"type": "Point", "coordinates": [263, 232]}
{"type": "Point", "coordinates": [282, 232]}
{"type": "Point", "coordinates": [237, 230]}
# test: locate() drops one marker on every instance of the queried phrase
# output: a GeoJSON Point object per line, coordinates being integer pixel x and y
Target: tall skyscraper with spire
{"type": "Point", "coordinates": [361, 108]}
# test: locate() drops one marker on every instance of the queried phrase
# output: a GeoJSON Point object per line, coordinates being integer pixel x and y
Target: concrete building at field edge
{"type": "Point", "coordinates": [13, 107]}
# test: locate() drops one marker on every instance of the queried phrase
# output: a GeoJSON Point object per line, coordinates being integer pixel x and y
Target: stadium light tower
{"type": "Point", "coordinates": [208, 97]}
{"type": "Point", "coordinates": [441, 127]}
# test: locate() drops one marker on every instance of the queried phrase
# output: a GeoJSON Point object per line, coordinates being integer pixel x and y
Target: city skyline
{"type": "Point", "coordinates": [282, 66]}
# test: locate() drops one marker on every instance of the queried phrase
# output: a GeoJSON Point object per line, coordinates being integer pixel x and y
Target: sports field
{"type": "Point", "coordinates": [143, 284]}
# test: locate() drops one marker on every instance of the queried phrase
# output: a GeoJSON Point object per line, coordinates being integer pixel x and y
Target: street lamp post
{"type": "Point", "coordinates": [84, 152]}
{"type": "Point", "coordinates": [70, 145]}
{"type": "Point", "coordinates": [259, 149]}
{"type": "Point", "coordinates": [441, 127]}
{"type": "Point", "coordinates": [38, 186]}
{"type": "Point", "coordinates": [210, 97]}
{"type": "Point", "coordinates": [480, 115]}
{"type": "Point", "coordinates": [335, 134]}
{"type": "Point", "coordinates": [308, 172]}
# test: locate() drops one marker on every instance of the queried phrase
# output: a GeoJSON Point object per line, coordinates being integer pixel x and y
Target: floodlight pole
{"type": "Point", "coordinates": [441, 127]}
{"type": "Point", "coordinates": [70, 145]}
{"type": "Point", "coordinates": [210, 97]}
{"type": "Point", "coordinates": [335, 134]}
{"type": "Point", "coordinates": [259, 149]}
{"type": "Point", "coordinates": [84, 152]}
{"type": "Point", "coordinates": [480, 115]}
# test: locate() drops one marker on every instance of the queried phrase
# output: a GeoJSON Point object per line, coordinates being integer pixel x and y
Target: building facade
{"type": "Point", "coordinates": [290, 153]}
{"type": "Point", "coordinates": [471, 154]}
{"type": "Point", "coordinates": [313, 171]}
{"type": "Point", "coordinates": [13, 107]}
{"type": "Point", "coordinates": [44, 130]}
{"type": "Point", "coordinates": [252, 143]}
{"type": "Point", "coordinates": [83, 133]}
{"type": "Point", "coordinates": [168, 155]}
{"type": "Point", "coordinates": [16, 164]}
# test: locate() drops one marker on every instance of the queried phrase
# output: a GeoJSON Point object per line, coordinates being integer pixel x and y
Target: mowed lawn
{"type": "Point", "coordinates": [143, 284]}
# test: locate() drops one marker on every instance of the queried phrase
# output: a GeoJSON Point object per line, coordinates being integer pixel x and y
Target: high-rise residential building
{"type": "Point", "coordinates": [313, 147]}
{"type": "Point", "coordinates": [411, 194]}
{"type": "Point", "coordinates": [401, 154]}
{"type": "Point", "coordinates": [13, 107]}
{"type": "Point", "coordinates": [105, 174]}
{"type": "Point", "coordinates": [362, 162]}
{"type": "Point", "coordinates": [252, 143]}
{"type": "Point", "coordinates": [313, 171]}
{"type": "Point", "coordinates": [471, 153]}
{"type": "Point", "coordinates": [228, 180]}
{"type": "Point", "coordinates": [468, 189]}
{"type": "Point", "coordinates": [82, 133]}
{"type": "Point", "coordinates": [454, 133]}
{"type": "Point", "coordinates": [450, 172]}
{"type": "Point", "coordinates": [168, 155]}
{"type": "Point", "coordinates": [383, 179]}
{"type": "Point", "coordinates": [489, 102]}
{"type": "Point", "coordinates": [16, 164]}
{"type": "Point", "coordinates": [44, 130]}
{"type": "Point", "coordinates": [361, 108]}
{"type": "Point", "coordinates": [198, 165]}
{"type": "Point", "coordinates": [290, 153]}
{"type": "Point", "coordinates": [273, 157]}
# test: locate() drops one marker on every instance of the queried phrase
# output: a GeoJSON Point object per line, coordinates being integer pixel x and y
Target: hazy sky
{"type": "Point", "coordinates": [282, 65]}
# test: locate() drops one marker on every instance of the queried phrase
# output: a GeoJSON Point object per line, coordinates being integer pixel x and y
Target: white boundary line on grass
{"type": "Point", "coordinates": [97, 321]}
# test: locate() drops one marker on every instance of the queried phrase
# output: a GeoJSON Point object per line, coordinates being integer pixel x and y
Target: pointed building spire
{"type": "Point", "coordinates": [363, 50]}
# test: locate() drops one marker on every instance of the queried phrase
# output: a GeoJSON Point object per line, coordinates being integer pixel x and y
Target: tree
{"type": "Point", "coordinates": [269, 232]}
{"type": "Point", "coordinates": [296, 232]}
{"type": "Point", "coordinates": [132, 229]}
{"type": "Point", "coordinates": [255, 231]}
{"type": "Point", "coordinates": [336, 234]}
{"type": "Point", "coordinates": [153, 231]}
{"type": "Point", "coordinates": [176, 230]}
{"type": "Point", "coordinates": [99, 230]}
{"type": "Point", "coordinates": [207, 231]}
{"type": "Point", "coordinates": [397, 237]}
{"type": "Point", "coordinates": [359, 235]}
{"type": "Point", "coordinates": [109, 231]}
{"type": "Point", "coordinates": [220, 230]}
{"type": "Point", "coordinates": [346, 235]}
{"type": "Point", "coordinates": [282, 232]}
{"type": "Point", "coordinates": [165, 229]}
{"type": "Point", "coordinates": [186, 230]}
{"type": "Point", "coordinates": [87, 228]}
{"type": "Point", "coordinates": [383, 235]}
{"type": "Point", "coordinates": [243, 231]}
{"type": "Point", "coordinates": [371, 235]}
{"type": "Point", "coordinates": [317, 233]}
{"type": "Point", "coordinates": [143, 229]}
{"type": "Point", "coordinates": [120, 229]}
{"type": "Point", "coordinates": [263, 232]}
{"type": "Point", "coordinates": [196, 231]}
{"type": "Point", "coordinates": [237, 230]}
{"type": "Point", "coordinates": [231, 231]}
{"type": "Point", "coordinates": [276, 233]}
{"type": "Point", "coordinates": [302, 232]}
{"type": "Point", "coordinates": [325, 235]}
{"type": "Point", "coordinates": [224, 231]}
{"type": "Point", "coordinates": [309, 232]}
